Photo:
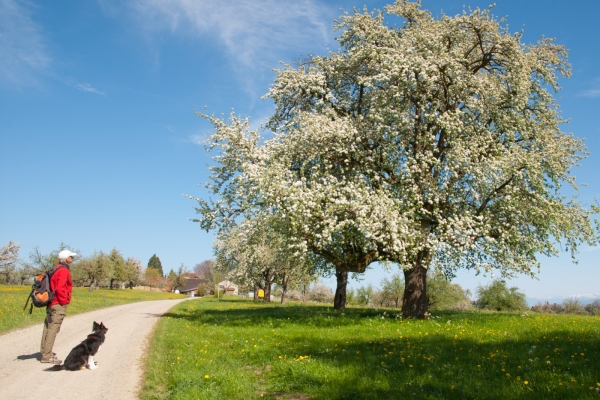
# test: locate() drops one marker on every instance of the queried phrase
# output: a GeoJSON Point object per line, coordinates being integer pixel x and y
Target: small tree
{"type": "Point", "coordinates": [444, 295]}
{"type": "Point", "coordinates": [593, 308]}
{"type": "Point", "coordinates": [39, 262]}
{"type": "Point", "coordinates": [9, 258]}
{"type": "Point", "coordinates": [573, 306]}
{"type": "Point", "coordinates": [133, 271]}
{"type": "Point", "coordinates": [364, 294]}
{"type": "Point", "coordinates": [155, 263]}
{"type": "Point", "coordinates": [393, 289]}
{"type": "Point", "coordinates": [24, 272]}
{"type": "Point", "coordinates": [172, 278]}
{"type": "Point", "coordinates": [497, 296]}
{"type": "Point", "coordinates": [205, 270]}
{"type": "Point", "coordinates": [92, 270]}
{"type": "Point", "coordinates": [177, 279]}
{"type": "Point", "coordinates": [118, 272]}
{"type": "Point", "coordinates": [152, 277]}
{"type": "Point", "coordinates": [351, 296]}
{"type": "Point", "coordinates": [201, 290]}
{"type": "Point", "coordinates": [321, 294]}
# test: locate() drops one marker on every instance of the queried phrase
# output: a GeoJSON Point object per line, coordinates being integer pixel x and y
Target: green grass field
{"type": "Point", "coordinates": [232, 349]}
{"type": "Point", "coordinates": [12, 300]}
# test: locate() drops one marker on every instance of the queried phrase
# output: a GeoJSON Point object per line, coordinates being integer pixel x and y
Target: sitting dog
{"type": "Point", "coordinates": [85, 351]}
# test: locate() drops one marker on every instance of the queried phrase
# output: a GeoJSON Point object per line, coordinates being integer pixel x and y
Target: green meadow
{"type": "Point", "coordinates": [236, 349]}
{"type": "Point", "coordinates": [13, 298]}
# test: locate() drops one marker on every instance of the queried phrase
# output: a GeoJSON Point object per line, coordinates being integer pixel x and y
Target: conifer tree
{"type": "Point", "coordinates": [155, 263]}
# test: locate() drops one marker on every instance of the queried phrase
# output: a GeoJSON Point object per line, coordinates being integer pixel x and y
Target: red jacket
{"type": "Point", "coordinates": [62, 285]}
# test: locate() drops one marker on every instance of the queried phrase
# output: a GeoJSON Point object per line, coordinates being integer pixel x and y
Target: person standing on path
{"type": "Point", "coordinates": [62, 286]}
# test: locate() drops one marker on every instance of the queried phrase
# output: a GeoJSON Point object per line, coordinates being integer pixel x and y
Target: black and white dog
{"type": "Point", "coordinates": [85, 351]}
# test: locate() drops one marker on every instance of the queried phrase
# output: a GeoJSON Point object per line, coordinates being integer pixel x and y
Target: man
{"type": "Point", "coordinates": [62, 286]}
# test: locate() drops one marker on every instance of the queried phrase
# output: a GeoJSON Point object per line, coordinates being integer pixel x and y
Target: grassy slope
{"type": "Point", "coordinates": [13, 298]}
{"type": "Point", "coordinates": [241, 350]}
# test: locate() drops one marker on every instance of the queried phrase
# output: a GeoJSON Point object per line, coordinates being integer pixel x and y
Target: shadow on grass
{"type": "Point", "coordinates": [275, 315]}
{"type": "Point", "coordinates": [473, 357]}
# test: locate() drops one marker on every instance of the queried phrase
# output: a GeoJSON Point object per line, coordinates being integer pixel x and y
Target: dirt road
{"type": "Point", "coordinates": [119, 371]}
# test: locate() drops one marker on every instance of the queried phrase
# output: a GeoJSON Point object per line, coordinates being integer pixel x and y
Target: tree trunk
{"type": "Point", "coordinates": [268, 275]}
{"type": "Point", "coordinates": [267, 298]}
{"type": "Point", "coordinates": [111, 284]}
{"type": "Point", "coordinates": [415, 301]}
{"type": "Point", "coordinates": [284, 287]}
{"type": "Point", "coordinates": [339, 300]}
{"type": "Point", "coordinates": [304, 294]}
{"type": "Point", "coordinates": [92, 285]}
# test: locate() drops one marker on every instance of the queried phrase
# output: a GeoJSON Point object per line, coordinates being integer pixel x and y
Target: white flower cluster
{"type": "Point", "coordinates": [438, 142]}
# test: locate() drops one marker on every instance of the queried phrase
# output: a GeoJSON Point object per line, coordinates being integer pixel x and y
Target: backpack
{"type": "Point", "coordinates": [40, 295]}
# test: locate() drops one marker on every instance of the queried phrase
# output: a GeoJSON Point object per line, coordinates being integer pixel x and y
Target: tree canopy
{"type": "Point", "coordinates": [155, 263]}
{"type": "Point", "coordinates": [497, 296]}
{"type": "Point", "coordinates": [434, 145]}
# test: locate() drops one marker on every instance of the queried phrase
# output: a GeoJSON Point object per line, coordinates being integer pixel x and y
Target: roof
{"type": "Point", "coordinates": [191, 284]}
{"type": "Point", "coordinates": [228, 284]}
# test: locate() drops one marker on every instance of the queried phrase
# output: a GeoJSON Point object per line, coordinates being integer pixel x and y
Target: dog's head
{"type": "Point", "coordinates": [99, 327]}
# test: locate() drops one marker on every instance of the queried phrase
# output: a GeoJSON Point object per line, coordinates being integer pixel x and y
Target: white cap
{"type": "Point", "coordinates": [63, 255]}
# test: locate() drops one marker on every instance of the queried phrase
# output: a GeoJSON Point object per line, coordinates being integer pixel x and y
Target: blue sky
{"type": "Point", "coordinates": [100, 139]}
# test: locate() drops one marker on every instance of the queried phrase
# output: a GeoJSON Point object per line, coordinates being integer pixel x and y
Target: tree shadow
{"type": "Point", "coordinates": [545, 362]}
{"type": "Point", "coordinates": [276, 315]}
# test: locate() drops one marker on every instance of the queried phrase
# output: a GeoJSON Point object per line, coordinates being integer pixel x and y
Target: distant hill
{"type": "Point", "coordinates": [583, 299]}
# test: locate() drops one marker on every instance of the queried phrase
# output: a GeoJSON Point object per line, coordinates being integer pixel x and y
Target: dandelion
{"type": "Point", "coordinates": [526, 383]}
{"type": "Point", "coordinates": [205, 376]}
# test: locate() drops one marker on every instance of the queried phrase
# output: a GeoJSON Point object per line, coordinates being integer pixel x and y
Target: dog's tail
{"type": "Point", "coordinates": [55, 368]}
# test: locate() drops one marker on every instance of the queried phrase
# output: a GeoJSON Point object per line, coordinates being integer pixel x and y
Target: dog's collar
{"type": "Point", "coordinates": [94, 337]}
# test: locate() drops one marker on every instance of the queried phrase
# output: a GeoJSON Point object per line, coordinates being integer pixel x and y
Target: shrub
{"type": "Point", "coordinates": [201, 291]}
{"type": "Point", "coordinates": [364, 294]}
{"type": "Point", "coordinates": [593, 308]}
{"type": "Point", "coordinates": [497, 296]}
{"type": "Point", "coordinates": [444, 295]}
{"type": "Point", "coordinates": [321, 294]}
{"type": "Point", "coordinates": [381, 299]}
{"type": "Point", "coordinates": [548, 308]}
{"type": "Point", "coordinates": [293, 295]}
{"type": "Point", "coordinates": [463, 305]}
{"type": "Point", "coordinates": [573, 306]}
{"type": "Point", "coordinates": [351, 296]}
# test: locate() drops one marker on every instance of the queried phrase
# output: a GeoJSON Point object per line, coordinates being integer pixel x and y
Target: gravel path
{"type": "Point", "coordinates": [119, 371]}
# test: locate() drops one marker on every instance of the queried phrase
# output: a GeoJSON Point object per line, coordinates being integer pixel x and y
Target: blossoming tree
{"type": "Point", "coordinates": [254, 252]}
{"type": "Point", "coordinates": [437, 144]}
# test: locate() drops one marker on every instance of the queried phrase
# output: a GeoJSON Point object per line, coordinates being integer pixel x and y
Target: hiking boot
{"type": "Point", "coordinates": [52, 360]}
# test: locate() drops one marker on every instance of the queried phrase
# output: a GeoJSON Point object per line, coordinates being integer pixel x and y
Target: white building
{"type": "Point", "coordinates": [228, 287]}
